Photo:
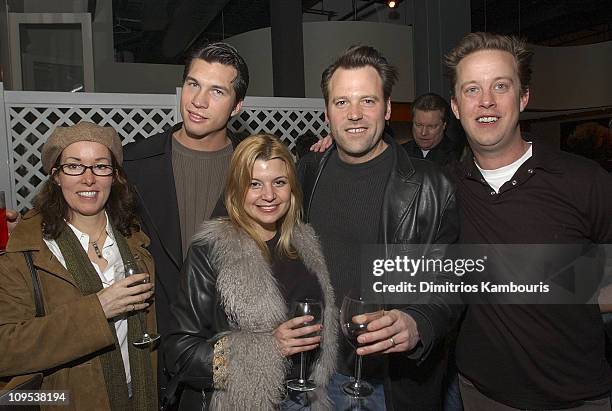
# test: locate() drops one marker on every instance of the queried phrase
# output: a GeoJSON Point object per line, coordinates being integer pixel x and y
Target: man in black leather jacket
{"type": "Point", "coordinates": [366, 190]}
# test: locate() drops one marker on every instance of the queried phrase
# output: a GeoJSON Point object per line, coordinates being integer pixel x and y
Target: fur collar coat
{"type": "Point", "coordinates": [247, 295]}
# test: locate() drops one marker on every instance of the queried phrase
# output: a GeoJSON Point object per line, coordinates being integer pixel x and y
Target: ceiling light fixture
{"type": "Point", "coordinates": [392, 4]}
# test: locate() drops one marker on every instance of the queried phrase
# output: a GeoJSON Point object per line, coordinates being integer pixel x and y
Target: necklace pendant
{"type": "Point", "coordinates": [96, 249]}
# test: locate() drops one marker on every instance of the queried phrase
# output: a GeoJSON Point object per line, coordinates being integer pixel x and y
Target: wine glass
{"type": "Point", "coordinates": [357, 388]}
{"type": "Point", "coordinates": [124, 270]}
{"type": "Point", "coordinates": [313, 308]}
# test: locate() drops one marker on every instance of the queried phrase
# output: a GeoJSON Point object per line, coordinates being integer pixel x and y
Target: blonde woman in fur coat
{"type": "Point", "coordinates": [235, 342]}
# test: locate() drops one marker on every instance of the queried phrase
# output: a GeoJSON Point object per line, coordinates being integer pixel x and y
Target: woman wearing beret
{"type": "Point", "coordinates": [82, 225]}
{"type": "Point", "coordinates": [235, 338]}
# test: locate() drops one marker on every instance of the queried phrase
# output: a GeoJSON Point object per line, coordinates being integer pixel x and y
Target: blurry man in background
{"type": "Point", "coordinates": [429, 122]}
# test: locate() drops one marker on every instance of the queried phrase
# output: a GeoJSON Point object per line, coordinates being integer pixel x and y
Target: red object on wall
{"type": "Point", "coordinates": [401, 111]}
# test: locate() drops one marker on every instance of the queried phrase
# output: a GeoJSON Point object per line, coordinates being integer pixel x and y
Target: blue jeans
{"type": "Point", "coordinates": [452, 395]}
{"type": "Point", "coordinates": [295, 401]}
{"type": "Point", "coordinates": [342, 402]}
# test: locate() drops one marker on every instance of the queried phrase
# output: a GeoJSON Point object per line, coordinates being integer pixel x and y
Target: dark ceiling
{"type": "Point", "coordinates": [160, 31]}
{"type": "Point", "coordinates": [546, 22]}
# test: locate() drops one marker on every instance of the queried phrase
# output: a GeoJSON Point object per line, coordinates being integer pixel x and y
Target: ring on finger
{"type": "Point", "coordinates": [392, 341]}
{"type": "Point", "coordinates": [133, 307]}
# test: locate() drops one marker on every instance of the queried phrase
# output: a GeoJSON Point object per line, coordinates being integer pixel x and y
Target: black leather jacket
{"type": "Point", "coordinates": [228, 290]}
{"type": "Point", "coordinates": [192, 377]}
{"type": "Point", "coordinates": [419, 208]}
{"type": "Point", "coordinates": [442, 154]}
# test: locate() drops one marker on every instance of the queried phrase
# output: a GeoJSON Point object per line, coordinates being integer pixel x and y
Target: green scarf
{"type": "Point", "coordinates": [88, 281]}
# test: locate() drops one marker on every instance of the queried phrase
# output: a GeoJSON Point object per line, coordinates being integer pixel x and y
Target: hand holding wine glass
{"type": "Point", "coordinates": [305, 309]}
{"type": "Point", "coordinates": [294, 337]}
{"type": "Point", "coordinates": [133, 268]}
{"type": "Point", "coordinates": [125, 295]}
{"type": "Point", "coordinates": [387, 332]}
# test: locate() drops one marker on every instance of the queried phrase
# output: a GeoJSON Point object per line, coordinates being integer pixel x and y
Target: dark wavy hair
{"type": "Point", "coordinates": [358, 57]}
{"type": "Point", "coordinates": [225, 54]}
{"type": "Point", "coordinates": [54, 209]}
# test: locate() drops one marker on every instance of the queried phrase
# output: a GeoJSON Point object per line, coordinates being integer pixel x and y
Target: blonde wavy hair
{"type": "Point", "coordinates": [262, 147]}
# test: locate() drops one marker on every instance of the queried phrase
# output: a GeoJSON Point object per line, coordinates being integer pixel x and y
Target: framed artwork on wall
{"type": "Point", "coordinates": [51, 51]}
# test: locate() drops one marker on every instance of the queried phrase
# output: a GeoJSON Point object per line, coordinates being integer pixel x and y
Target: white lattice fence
{"type": "Point", "coordinates": [31, 117]}
{"type": "Point", "coordinates": [288, 118]}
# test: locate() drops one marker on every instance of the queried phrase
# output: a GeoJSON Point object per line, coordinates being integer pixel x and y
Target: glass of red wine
{"type": "Point", "coordinates": [351, 307]}
{"type": "Point", "coordinates": [315, 309]}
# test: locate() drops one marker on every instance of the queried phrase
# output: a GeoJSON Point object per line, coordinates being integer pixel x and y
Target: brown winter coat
{"type": "Point", "coordinates": [64, 344]}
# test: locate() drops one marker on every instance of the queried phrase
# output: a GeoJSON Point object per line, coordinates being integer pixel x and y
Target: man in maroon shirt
{"type": "Point", "coordinates": [512, 191]}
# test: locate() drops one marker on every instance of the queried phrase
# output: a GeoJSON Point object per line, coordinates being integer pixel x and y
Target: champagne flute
{"type": "Point", "coordinates": [313, 308]}
{"type": "Point", "coordinates": [357, 388]}
{"type": "Point", "coordinates": [124, 270]}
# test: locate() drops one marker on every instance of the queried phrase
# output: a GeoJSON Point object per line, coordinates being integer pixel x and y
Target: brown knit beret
{"type": "Point", "coordinates": [62, 137]}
